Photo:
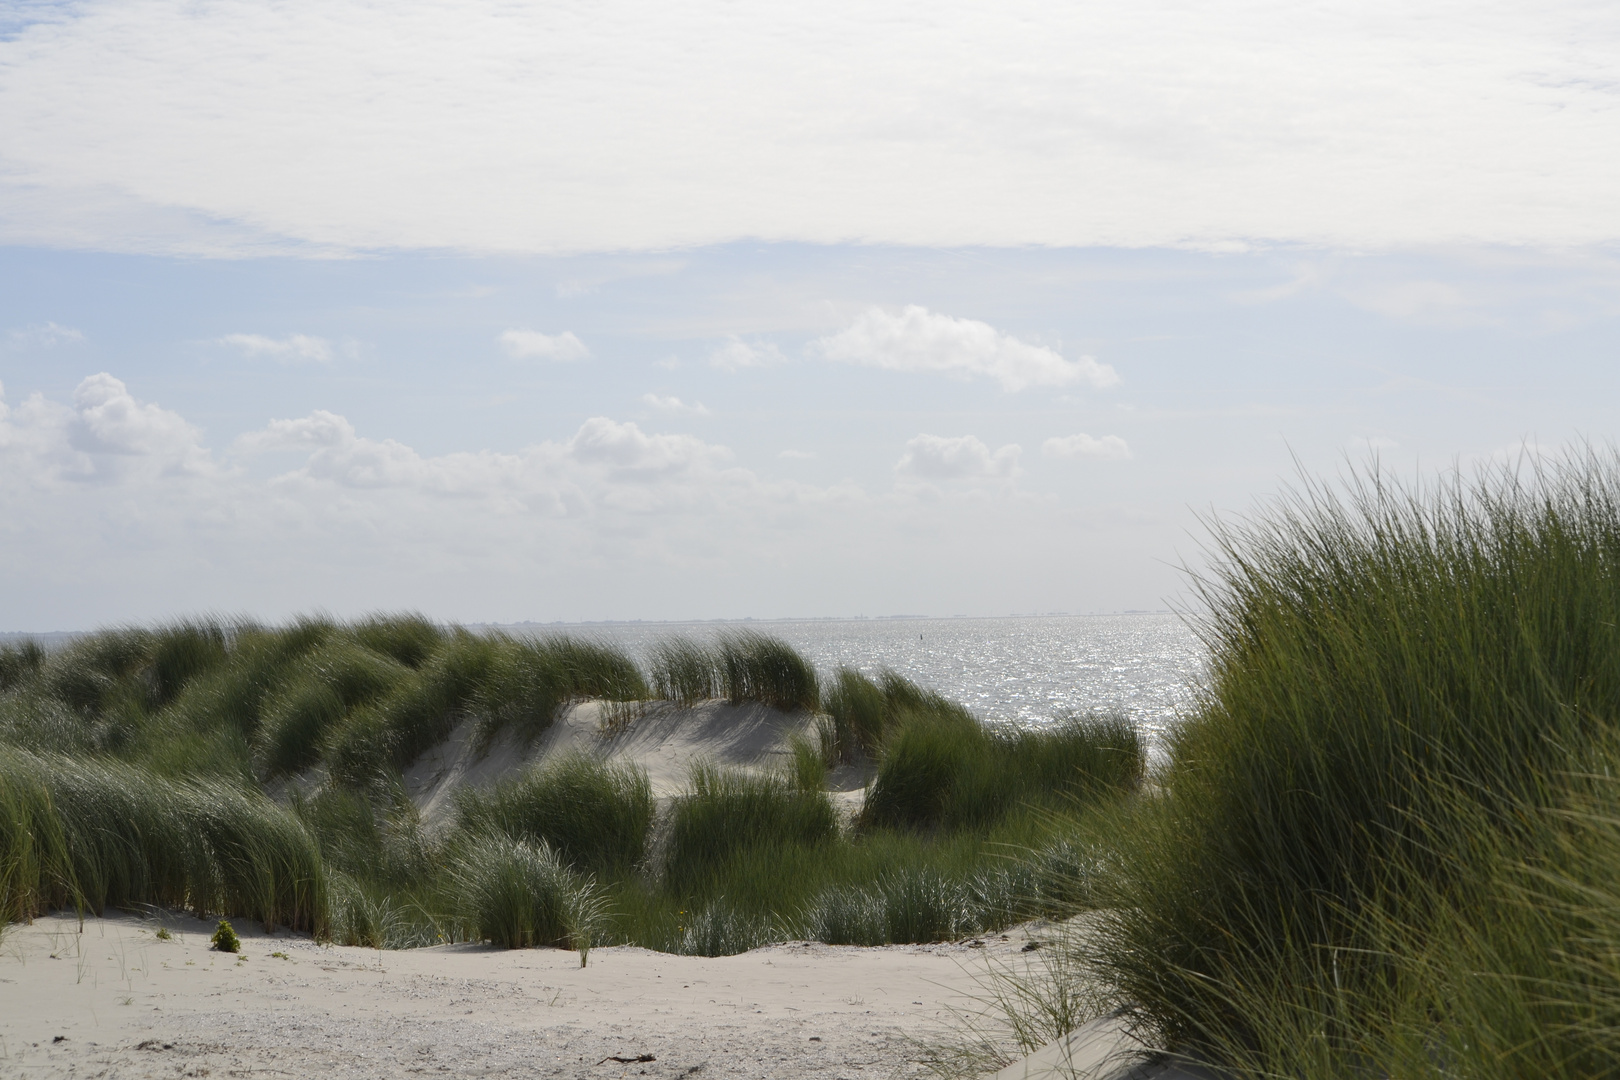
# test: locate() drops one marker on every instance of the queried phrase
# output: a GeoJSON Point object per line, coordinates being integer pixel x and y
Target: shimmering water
{"type": "Point", "coordinates": [1021, 670]}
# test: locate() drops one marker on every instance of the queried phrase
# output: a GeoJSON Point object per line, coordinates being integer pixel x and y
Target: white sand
{"type": "Point", "coordinates": [125, 1004]}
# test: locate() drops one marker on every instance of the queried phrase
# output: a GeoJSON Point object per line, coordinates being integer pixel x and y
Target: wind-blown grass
{"type": "Point", "coordinates": [521, 895]}
{"type": "Point", "coordinates": [529, 682]}
{"type": "Point", "coordinates": [133, 766]}
{"type": "Point", "coordinates": [740, 667]}
{"type": "Point", "coordinates": [1353, 871]}
{"type": "Point", "coordinates": [726, 812]}
{"type": "Point", "coordinates": [684, 672]}
{"type": "Point", "coordinates": [91, 834]}
{"type": "Point", "coordinates": [865, 713]}
{"type": "Point", "coordinates": [950, 771]}
{"type": "Point", "coordinates": [595, 816]}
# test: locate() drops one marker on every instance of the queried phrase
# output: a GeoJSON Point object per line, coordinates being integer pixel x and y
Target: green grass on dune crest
{"type": "Point", "coordinates": [174, 735]}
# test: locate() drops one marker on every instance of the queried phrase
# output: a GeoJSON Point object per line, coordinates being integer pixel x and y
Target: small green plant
{"type": "Point", "coordinates": [162, 933]}
{"type": "Point", "coordinates": [225, 939]}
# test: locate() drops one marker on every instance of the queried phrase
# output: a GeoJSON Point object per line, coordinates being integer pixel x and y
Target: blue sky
{"type": "Point", "coordinates": [639, 312]}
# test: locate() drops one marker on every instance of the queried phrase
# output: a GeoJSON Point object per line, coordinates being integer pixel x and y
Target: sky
{"type": "Point", "coordinates": [508, 312]}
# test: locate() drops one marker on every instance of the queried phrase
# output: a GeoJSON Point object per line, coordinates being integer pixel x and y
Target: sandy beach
{"type": "Point", "coordinates": [117, 1001]}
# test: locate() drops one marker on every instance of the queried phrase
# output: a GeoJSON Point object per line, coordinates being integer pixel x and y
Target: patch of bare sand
{"type": "Point", "coordinates": [115, 1001]}
{"type": "Point", "coordinates": [660, 738]}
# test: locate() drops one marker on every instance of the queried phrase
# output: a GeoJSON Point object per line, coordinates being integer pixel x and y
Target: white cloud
{"type": "Point", "coordinates": [737, 354]}
{"type": "Point", "coordinates": [112, 508]}
{"type": "Point", "coordinates": [1081, 445]}
{"type": "Point", "coordinates": [625, 447]}
{"type": "Point", "coordinates": [563, 347]}
{"type": "Point", "coordinates": [938, 457]}
{"type": "Point", "coordinates": [918, 340]}
{"type": "Point", "coordinates": [45, 335]}
{"type": "Point", "coordinates": [674, 405]}
{"type": "Point", "coordinates": [105, 436]}
{"type": "Point", "coordinates": [144, 124]}
{"type": "Point", "coordinates": [294, 348]}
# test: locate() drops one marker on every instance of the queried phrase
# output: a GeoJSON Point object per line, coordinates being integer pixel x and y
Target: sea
{"type": "Point", "coordinates": [1025, 670]}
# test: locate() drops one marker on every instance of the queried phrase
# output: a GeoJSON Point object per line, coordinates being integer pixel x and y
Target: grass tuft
{"type": "Point", "coordinates": [727, 812]}
{"type": "Point", "coordinates": [521, 895]}
{"type": "Point", "coordinates": [595, 816]}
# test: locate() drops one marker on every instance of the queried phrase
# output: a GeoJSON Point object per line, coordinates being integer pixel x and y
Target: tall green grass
{"type": "Point", "coordinates": [950, 771]}
{"type": "Point", "coordinates": [740, 667]}
{"type": "Point", "coordinates": [1353, 869]}
{"type": "Point", "coordinates": [88, 834]}
{"type": "Point", "coordinates": [133, 764]}
{"type": "Point", "coordinates": [521, 895]}
{"type": "Point", "coordinates": [726, 812]}
{"type": "Point", "coordinates": [865, 713]}
{"type": "Point", "coordinates": [529, 682]}
{"type": "Point", "coordinates": [595, 816]}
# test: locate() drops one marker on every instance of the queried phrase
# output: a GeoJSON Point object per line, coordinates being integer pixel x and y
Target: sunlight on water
{"type": "Point", "coordinates": [1022, 670]}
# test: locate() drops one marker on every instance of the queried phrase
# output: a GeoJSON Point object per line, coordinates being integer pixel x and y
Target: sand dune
{"type": "Point", "coordinates": [661, 738]}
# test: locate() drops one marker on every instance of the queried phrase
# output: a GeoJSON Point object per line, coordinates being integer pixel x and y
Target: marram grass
{"type": "Point", "coordinates": [1377, 852]}
{"type": "Point", "coordinates": [134, 765]}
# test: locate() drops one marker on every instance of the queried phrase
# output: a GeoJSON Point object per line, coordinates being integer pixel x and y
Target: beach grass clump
{"type": "Point", "coordinates": [756, 667]}
{"type": "Point", "coordinates": [594, 815]}
{"type": "Point", "coordinates": [944, 769]}
{"type": "Point", "coordinates": [418, 713]}
{"type": "Point", "coordinates": [727, 812]}
{"type": "Point", "coordinates": [89, 834]}
{"type": "Point", "coordinates": [372, 834]}
{"type": "Point", "coordinates": [744, 667]}
{"type": "Point", "coordinates": [684, 672]}
{"type": "Point", "coordinates": [20, 662]}
{"type": "Point", "coordinates": [410, 639]}
{"type": "Point", "coordinates": [316, 693]}
{"type": "Point", "coordinates": [521, 895]}
{"type": "Point", "coordinates": [865, 713]}
{"type": "Point", "coordinates": [906, 906]}
{"type": "Point", "coordinates": [722, 929]}
{"type": "Point", "coordinates": [374, 915]}
{"type": "Point", "coordinates": [1403, 682]}
{"type": "Point", "coordinates": [529, 681]}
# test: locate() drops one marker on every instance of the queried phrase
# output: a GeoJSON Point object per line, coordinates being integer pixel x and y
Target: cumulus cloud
{"type": "Point", "coordinates": [674, 405]}
{"type": "Point", "coordinates": [531, 344]}
{"type": "Point", "coordinates": [113, 507]}
{"type": "Point", "coordinates": [106, 435]}
{"type": "Point", "coordinates": [1081, 445]}
{"type": "Point", "coordinates": [294, 348]}
{"type": "Point", "coordinates": [925, 342]}
{"type": "Point", "coordinates": [939, 457]}
{"type": "Point", "coordinates": [44, 335]}
{"type": "Point", "coordinates": [627, 448]}
{"type": "Point", "coordinates": [736, 354]}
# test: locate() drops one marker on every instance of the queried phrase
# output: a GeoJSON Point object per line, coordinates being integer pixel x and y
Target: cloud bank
{"type": "Point", "coordinates": [340, 125]}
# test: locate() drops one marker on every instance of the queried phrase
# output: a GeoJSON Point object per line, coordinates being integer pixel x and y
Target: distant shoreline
{"type": "Point", "coordinates": [50, 637]}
